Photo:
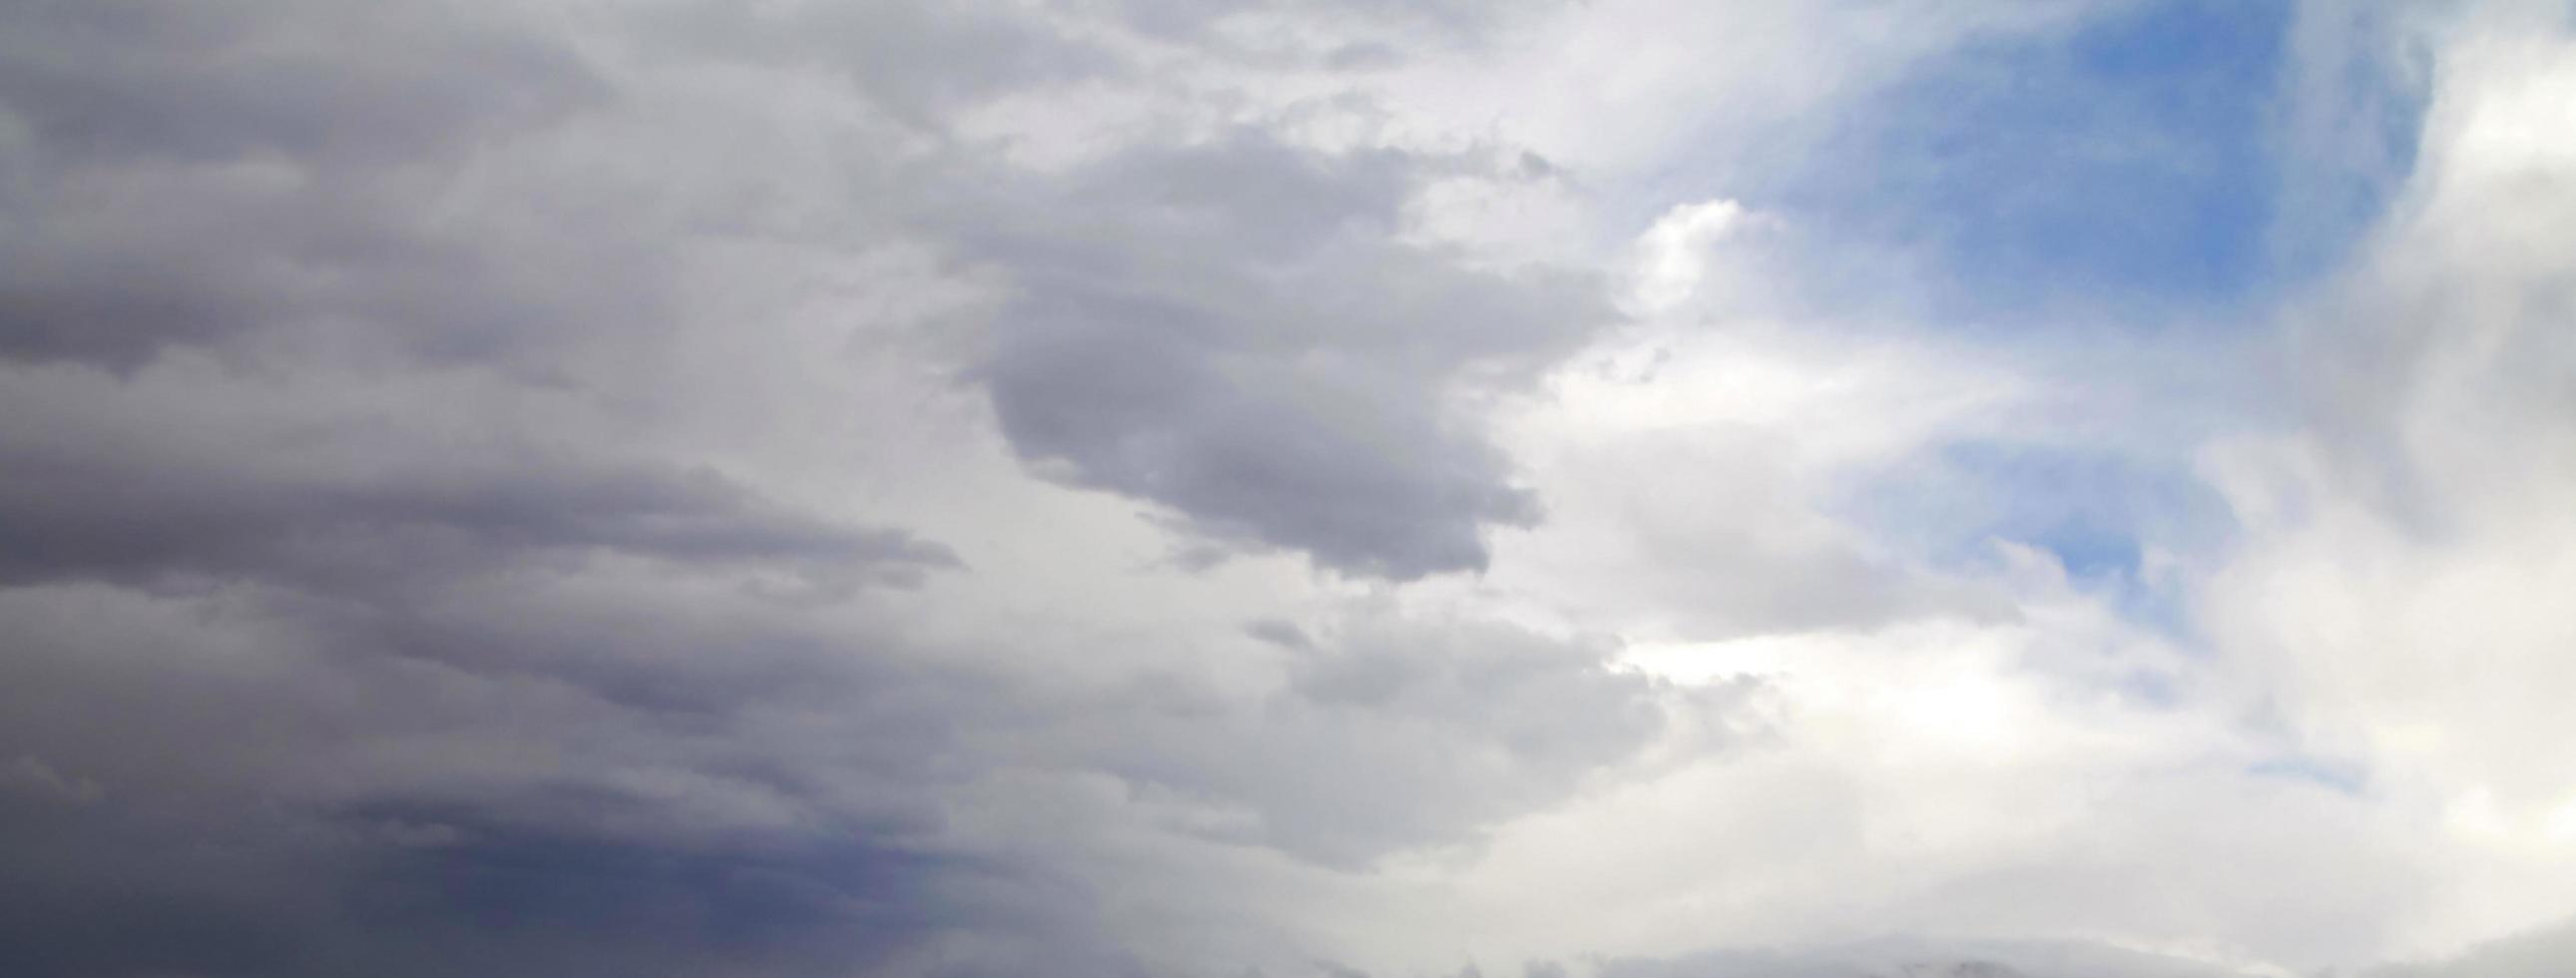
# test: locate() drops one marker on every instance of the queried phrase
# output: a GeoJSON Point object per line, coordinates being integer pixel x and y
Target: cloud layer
{"type": "Point", "coordinates": [1149, 489]}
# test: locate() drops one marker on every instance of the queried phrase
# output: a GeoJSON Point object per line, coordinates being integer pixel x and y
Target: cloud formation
{"type": "Point", "coordinates": [1143, 489]}
{"type": "Point", "coordinates": [1237, 330]}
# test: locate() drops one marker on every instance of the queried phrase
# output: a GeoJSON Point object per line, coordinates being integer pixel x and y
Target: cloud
{"type": "Point", "coordinates": [1233, 328]}
{"type": "Point", "coordinates": [357, 496]}
{"type": "Point", "coordinates": [185, 177]}
{"type": "Point", "coordinates": [2542, 951]}
{"type": "Point", "coordinates": [1928, 959]}
{"type": "Point", "coordinates": [1395, 734]}
{"type": "Point", "coordinates": [1132, 489]}
{"type": "Point", "coordinates": [474, 780]}
{"type": "Point", "coordinates": [1236, 329]}
{"type": "Point", "coordinates": [318, 896]}
{"type": "Point", "coordinates": [336, 517]}
{"type": "Point", "coordinates": [2394, 583]}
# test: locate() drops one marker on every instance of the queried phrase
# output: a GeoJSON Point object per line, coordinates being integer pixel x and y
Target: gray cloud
{"type": "Point", "coordinates": [914, 59]}
{"type": "Point", "coordinates": [1396, 733]}
{"type": "Point", "coordinates": [430, 891]}
{"type": "Point", "coordinates": [547, 775]}
{"type": "Point", "coordinates": [343, 516]}
{"type": "Point", "coordinates": [315, 671]}
{"type": "Point", "coordinates": [517, 779]}
{"type": "Point", "coordinates": [1236, 330]}
{"type": "Point", "coordinates": [2536, 953]}
{"type": "Point", "coordinates": [409, 518]}
{"type": "Point", "coordinates": [318, 82]}
{"type": "Point", "coordinates": [182, 175]}
{"type": "Point", "coordinates": [373, 607]}
{"type": "Point", "coordinates": [1233, 328]}
{"type": "Point", "coordinates": [1342, 34]}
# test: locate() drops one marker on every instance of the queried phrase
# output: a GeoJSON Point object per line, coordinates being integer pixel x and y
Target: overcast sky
{"type": "Point", "coordinates": [1229, 488]}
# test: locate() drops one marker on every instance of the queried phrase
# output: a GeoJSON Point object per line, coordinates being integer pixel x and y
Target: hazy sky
{"type": "Point", "coordinates": [1228, 488]}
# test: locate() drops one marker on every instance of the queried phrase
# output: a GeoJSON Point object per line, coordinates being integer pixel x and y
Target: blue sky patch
{"type": "Point", "coordinates": [2128, 168]}
{"type": "Point", "coordinates": [2092, 509]}
{"type": "Point", "coordinates": [2096, 511]}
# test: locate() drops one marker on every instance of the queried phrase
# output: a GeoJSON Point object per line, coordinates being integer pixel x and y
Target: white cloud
{"type": "Point", "coordinates": [2401, 580]}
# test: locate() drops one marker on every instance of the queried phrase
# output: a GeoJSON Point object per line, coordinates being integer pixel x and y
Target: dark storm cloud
{"type": "Point", "coordinates": [300, 654]}
{"type": "Point", "coordinates": [580, 905]}
{"type": "Point", "coordinates": [1235, 329]}
{"type": "Point", "coordinates": [306, 685]}
{"type": "Point", "coordinates": [360, 620]}
{"type": "Point", "coordinates": [388, 890]}
{"type": "Point", "coordinates": [224, 785]}
{"type": "Point", "coordinates": [570, 783]}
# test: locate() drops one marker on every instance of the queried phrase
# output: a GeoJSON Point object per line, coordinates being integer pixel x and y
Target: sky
{"type": "Point", "coordinates": [1267, 489]}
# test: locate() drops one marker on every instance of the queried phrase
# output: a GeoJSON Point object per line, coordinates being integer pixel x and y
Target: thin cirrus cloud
{"type": "Point", "coordinates": [1161, 489]}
